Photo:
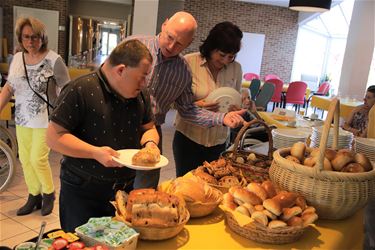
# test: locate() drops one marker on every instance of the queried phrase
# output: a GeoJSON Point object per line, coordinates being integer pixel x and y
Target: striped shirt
{"type": "Point", "coordinates": [170, 82]}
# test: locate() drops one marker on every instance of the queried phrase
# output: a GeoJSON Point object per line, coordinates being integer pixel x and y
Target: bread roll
{"type": "Point", "coordinates": [227, 197]}
{"type": "Point", "coordinates": [270, 215]}
{"type": "Point", "coordinates": [276, 224]}
{"type": "Point", "coordinates": [242, 195]}
{"type": "Point", "coordinates": [249, 207]}
{"type": "Point", "coordinates": [353, 168]}
{"type": "Point", "coordinates": [309, 210]}
{"type": "Point", "coordinates": [292, 158]}
{"type": "Point", "coordinates": [206, 177]}
{"type": "Point", "coordinates": [342, 158]}
{"type": "Point", "coordinates": [330, 154]}
{"type": "Point", "coordinates": [364, 161]}
{"type": "Point", "coordinates": [121, 199]}
{"type": "Point", "coordinates": [309, 161]}
{"type": "Point", "coordinates": [260, 218]}
{"type": "Point", "coordinates": [243, 210]}
{"type": "Point", "coordinates": [312, 161]}
{"type": "Point", "coordinates": [298, 150]}
{"type": "Point", "coordinates": [230, 204]}
{"type": "Point", "coordinates": [257, 189]}
{"type": "Point", "coordinates": [192, 190]}
{"type": "Point", "coordinates": [295, 221]}
{"type": "Point", "coordinates": [272, 206]}
{"type": "Point", "coordinates": [290, 212]}
{"type": "Point", "coordinates": [269, 188]}
{"type": "Point", "coordinates": [309, 218]}
{"type": "Point", "coordinates": [301, 202]}
{"type": "Point", "coordinates": [259, 207]}
{"type": "Point", "coordinates": [286, 199]}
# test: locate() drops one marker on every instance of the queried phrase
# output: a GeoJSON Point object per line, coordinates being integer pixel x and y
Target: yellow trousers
{"type": "Point", "coordinates": [33, 154]}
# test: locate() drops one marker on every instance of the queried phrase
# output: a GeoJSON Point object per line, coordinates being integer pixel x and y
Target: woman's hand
{"type": "Point", "coordinates": [211, 106]}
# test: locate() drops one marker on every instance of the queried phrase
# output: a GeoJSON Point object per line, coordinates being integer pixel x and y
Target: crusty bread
{"type": "Point", "coordinates": [301, 202]}
{"type": "Point", "coordinates": [290, 212]}
{"type": "Point", "coordinates": [146, 157]}
{"type": "Point", "coordinates": [286, 199]}
{"type": "Point", "coordinates": [270, 215]}
{"type": "Point", "coordinates": [298, 150]}
{"type": "Point", "coordinates": [242, 195]}
{"type": "Point", "coordinates": [228, 181]}
{"type": "Point", "coordinates": [243, 210]}
{"type": "Point", "coordinates": [260, 217]}
{"type": "Point", "coordinates": [353, 168]}
{"type": "Point", "coordinates": [272, 206]}
{"type": "Point", "coordinates": [292, 158]}
{"type": "Point", "coordinates": [249, 207]}
{"type": "Point", "coordinates": [330, 154]}
{"type": "Point", "coordinates": [364, 161]}
{"type": "Point", "coordinates": [309, 218]}
{"type": "Point", "coordinates": [257, 189]}
{"type": "Point", "coordinates": [276, 224]}
{"type": "Point", "coordinates": [206, 177]}
{"type": "Point", "coordinates": [148, 207]}
{"type": "Point", "coordinates": [342, 158]}
{"type": "Point", "coordinates": [295, 221]}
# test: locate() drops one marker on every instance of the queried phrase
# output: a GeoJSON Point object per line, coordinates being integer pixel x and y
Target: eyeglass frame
{"type": "Point", "coordinates": [32, 38]}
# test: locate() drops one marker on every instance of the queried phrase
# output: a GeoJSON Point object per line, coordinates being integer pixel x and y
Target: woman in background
{"type": "Point", "coordinates": [358, 119]}
{"type": "Point", "coordinates": [32, 74]}
{"type": "Point", "coordinates": [214, 66]}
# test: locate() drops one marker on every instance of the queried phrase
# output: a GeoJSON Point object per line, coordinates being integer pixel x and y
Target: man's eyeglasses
{"type": "Point", "coordinates": [32, 38]}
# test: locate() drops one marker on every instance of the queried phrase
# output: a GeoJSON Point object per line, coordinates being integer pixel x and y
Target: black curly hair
{"type": "Point", "coordinates": [225, 36]}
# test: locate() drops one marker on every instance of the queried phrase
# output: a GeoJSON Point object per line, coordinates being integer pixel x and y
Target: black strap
{"type": "Point", "coordinates": [27, 78]}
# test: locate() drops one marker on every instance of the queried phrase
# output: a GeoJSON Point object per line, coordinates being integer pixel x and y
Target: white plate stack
{"type": "Point", "coordinates": [286, 137]}
{"type": "Point", "coordinates": [365, 146]}
{"type": "Point", "coordinates": [344, 141]}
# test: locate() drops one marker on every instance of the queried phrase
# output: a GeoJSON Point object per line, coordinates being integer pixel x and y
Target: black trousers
{"type": "Point", "coordinates": [188, 155]}
{"type": "Point", "coordinates": [82, 197]}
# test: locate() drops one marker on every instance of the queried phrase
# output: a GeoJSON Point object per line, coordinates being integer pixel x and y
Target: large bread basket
{"type": "Point", "coordinates": [335, 195]}
{"type": "Point", "coordinates": [252, 173]}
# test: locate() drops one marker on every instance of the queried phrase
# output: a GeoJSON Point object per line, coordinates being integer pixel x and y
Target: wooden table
{"type": "Point", "coordinates": [211, 232]}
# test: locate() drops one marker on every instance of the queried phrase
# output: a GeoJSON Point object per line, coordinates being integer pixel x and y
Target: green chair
{"type": "Point", "coordinates": [254, 88]}
{"type": "Point", "coordinates": [265, 95]}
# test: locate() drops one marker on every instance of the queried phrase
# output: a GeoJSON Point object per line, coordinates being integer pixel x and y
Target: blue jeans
{"type": "Point", "coordinates": [369, 242]}
{"type": "Point", "coordinates": [149, 178]}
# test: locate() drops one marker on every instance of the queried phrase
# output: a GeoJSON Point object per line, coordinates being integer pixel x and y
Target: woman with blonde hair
{"type": "Point", "coordinates": [35, 76]}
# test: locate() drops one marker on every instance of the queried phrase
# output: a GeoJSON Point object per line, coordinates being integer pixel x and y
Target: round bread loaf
{"type": "Point", "coordinates": [329, 153]}
{"type": "Point", "coordinates": [286, 199]}
{"type": "Point", "coordinates": [272, 206]}
{"type": "Point", "coordinates": [353, 168]}
{"type": "Point", "coordinates": [290, 212]}
{"type": "Point", "coordinates": [309, 218]}
{"type": "Point", "coordinates": [364, 161]}
{"type": "Point", "coordinates": [309, 161]}
{"type": "Point", "coordinates": [342, 158]}
{"type": "Point", "coordinates": [298, 150]}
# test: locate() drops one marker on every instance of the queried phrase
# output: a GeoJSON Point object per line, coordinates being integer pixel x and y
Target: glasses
{"type": "Point", "coordinates": [32, 38]}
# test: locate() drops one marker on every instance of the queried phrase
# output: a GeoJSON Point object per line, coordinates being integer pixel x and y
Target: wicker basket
{"type": "Point", "coordinates": [252, 173]}
{"type": "Point", "coordinates": [259, 233]}
{"type": "Point", "coordinates": [158, 233]}
{"type": "Point", "coordinates": [335, 195]}
{"type": "Point", "coordinates": [199, 209]}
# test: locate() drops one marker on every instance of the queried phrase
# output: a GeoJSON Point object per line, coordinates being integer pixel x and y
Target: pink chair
{"type": "Point", "coordinates": [296, 94]}
{"type": "Point", "coordinates": [271, 76]}
{"type": "Point", "coordinates": [277, 97]}
{"type": "Point", "coordinates": [250, 76]}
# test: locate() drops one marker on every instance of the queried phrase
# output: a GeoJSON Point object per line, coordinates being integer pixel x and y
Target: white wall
{"type": "Point", "coordinates": [359, 50]}
{"type": "Point", "coordinates": [145, 17]}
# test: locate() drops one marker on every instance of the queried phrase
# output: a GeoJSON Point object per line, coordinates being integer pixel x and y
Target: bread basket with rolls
{"type": "Point", "coordinates": [201, 199]}
{"type": "Point", "coordinates": [254, 166]}
{"type": "Point", "coordinates": [260, 213]}
{"type": "Point", "coordinates": [220, 174]}
{"type": "Point", "coordinates": [334, 194]}
{"type": "Point", "coordinates": [155, 215]}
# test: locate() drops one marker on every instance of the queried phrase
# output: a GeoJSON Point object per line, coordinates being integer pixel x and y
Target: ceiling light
{"type": "Point", "coordinates": [310, 5]}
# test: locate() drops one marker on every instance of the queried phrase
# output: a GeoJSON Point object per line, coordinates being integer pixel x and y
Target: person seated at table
{"type": "Point", "coordinates": [358, 119]}
{"type": "Point", "coordinates": [214, 66]}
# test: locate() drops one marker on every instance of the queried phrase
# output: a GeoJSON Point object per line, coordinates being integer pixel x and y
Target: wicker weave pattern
{"type": "Point", "coordinates": [259, 233]}
{"type": "Point", "coordinates": [335, 195]}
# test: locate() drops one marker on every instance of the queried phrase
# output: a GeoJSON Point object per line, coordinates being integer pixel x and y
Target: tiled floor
{"type": "Point", "coordinates": [16, 229]}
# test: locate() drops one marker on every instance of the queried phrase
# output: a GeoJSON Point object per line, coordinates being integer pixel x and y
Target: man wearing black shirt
{"type": "Point", "coordinates": [96, 115]}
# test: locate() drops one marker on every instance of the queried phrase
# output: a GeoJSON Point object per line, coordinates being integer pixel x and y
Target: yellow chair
{"type": "Point", "coordinates": [75, 72]}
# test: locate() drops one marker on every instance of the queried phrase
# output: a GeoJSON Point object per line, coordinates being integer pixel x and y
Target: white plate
{"type": "Point", "coordinates": [225, 96]}
{"type": "Point", "coordinates": [126, 156]}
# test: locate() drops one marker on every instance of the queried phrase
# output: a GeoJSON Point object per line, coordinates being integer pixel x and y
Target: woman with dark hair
{"type": "Point", "coordinates": [358, 119]}
{"type": "Point", "coordinates": [213, 67]}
